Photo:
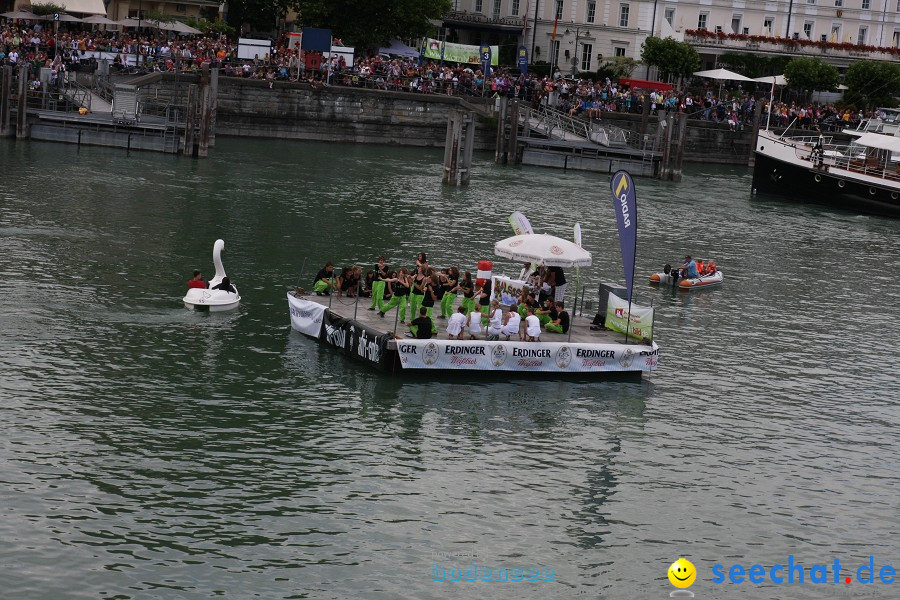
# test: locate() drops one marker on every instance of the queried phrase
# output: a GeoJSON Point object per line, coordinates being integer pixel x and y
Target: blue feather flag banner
{"type": "Point", "coordinates": [625, 202]}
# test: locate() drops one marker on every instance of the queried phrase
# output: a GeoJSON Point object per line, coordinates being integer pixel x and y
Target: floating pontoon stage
{"type": "Point", "coordinates": [364, 336]}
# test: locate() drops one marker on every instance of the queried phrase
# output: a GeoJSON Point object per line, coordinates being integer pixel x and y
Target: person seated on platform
{"type": "Point", "coordinates": [546, 312]}
{"type": "Point", "coordinates": [421, 325]}
{"type": "Point", "coordinates": [527, 301]}
{"type": "Point", "coordinates": [366, 290]}
{"type": "Point", "coordinates": [197, 281]}
{"type": "Point", "coordinates": [457, 323]}
{"type": "Point", "coordinates": [473, 324]}
{"type": "Point", "coordinates": [532, 327]}
{"type": "Point", "coordinates": [324, 280]}
{"type": "Point", "coordinates": [495, 320]}
{"type": "Point", "coordinates": [689, 268]}
{"type": "Point", "coordinates": [511, 322]}
{"type": "Point", "coordinates": [225, 286]}
{"type": "Point", "coordinates": [561, 323]}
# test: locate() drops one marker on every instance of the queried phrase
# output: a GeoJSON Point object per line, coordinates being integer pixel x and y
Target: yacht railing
{"type": "Point", "coordinates": [849, 157]}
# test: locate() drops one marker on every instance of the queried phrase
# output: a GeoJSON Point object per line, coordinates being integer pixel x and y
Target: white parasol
{"type": "Point", "coordinates": [722, 74]}
{"type": "Point", "coordinates": [544, 249]}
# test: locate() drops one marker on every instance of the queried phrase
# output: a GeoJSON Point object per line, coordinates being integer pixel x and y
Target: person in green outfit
{"type": "Point", "coordinates": [417, 291]}
{"type": "Point", "coordinates": [324, 280]}
{"type": "Point", "coordinates": [450, 283]}
{"type": "Point", "coordinates": [561, 323]}
{"type": "Point", "coordinates": [400, 287]}
{"type": "Point", "coordinates": [467, 287]}
{"type": "Point", "coordinates": [433, 293]}
{"type": "Point", "coordinates": [381, 273]}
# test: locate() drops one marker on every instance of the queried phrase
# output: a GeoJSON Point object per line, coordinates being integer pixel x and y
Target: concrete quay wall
{"type": "Point", "coordinates": [250, 108]}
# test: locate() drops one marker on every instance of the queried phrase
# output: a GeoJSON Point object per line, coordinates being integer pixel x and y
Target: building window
{"type": "Point", "coordinates": [554, 53]}
{"type": "Point", "coordinates": [808, 29]}
{"type": "Point", "coordinates": [865, 4]}
{"type": "Point", "coordinates": [836, 33]}
{"type": "Point", "coordinates": [181, 8]}
{"type": "Point", "coordinates": [701, 20]}
{"type": "Point", "coordinates": [736, 24]}
{"type": "Point", "coordinates": [767, 25]}
{"type": "Point", "coordinates": [619, 51]}
{"type": "Point", "coordinates": [863, 33]}
{"type": "Point", "coordinates": [586, 50]}
{"type": "Point", "coordinates": [718, 29]}
{"type": "Point", "coordinates": [514, 8]}
{"type": "Point", "coordinates": [670, 17]}
{"type": "Point", "coordinates": [479, 5]}
{"type": "Point", "coordinates": [897, 39]}
{"type": "Point", "coordinates": [838, 2]}
{"type": "Point", "coordinates": [810, 1]}
{"type": "Point", "coordinates": [559, 7]}
{"type": "Point", "coordinates": [496, 13]}
{"type": "Point", "coordinates": [591, 12]}
{"type": "Point", "coordinates": [623, 15]}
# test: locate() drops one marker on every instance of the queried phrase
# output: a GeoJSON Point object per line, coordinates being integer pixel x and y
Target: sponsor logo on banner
{"type": "Point", "coordinates": [525, 356]}
{"type": "Point", "coordinates": [359, 342]}
{"type": "Point", "coordinates": [563, 357]}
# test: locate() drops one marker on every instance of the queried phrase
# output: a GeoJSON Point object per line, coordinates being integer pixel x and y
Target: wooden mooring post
{"type": "Point", "coordinates": [678, 142]}
{"type": "Point", "coordinates": [204, 98]}
{"type": "Point", "coordinates": [21, 123]}
{"type": "Point", "coordinates": [213, 105]}
{"type": "Point", "coordinates": [460, 142]}
{"type": "Point", "coordinates": [500, 151]}
{"type": "Point", "coordinates": [6, 76]}
{"type": "Point", "coordinates": [757, 117]}
{"type": "Point", "coordinates": [190, 120]}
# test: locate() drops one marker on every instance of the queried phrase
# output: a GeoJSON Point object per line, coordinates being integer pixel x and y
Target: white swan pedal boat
{"type": "Point", "coordinates": [696, 283]}
{"type": "Point", "coordinates": [210, 299]}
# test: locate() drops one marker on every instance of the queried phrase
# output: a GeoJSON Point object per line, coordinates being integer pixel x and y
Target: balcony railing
{"type": "Point", "coordinates": [739, 41]}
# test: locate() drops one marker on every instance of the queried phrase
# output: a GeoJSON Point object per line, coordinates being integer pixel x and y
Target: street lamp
{"type": "Point", "coordinates": [575, 56]}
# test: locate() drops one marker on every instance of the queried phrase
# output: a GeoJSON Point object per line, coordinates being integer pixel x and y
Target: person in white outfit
{"type": "Point", "coordinates": [456, 324]}
{"type": "Point", "coordinates": [495, 324]}
{"type": "Point", "coordinates": [532, 326]}
{"type": "Point", "coordinates": [473, 323]}
{"type": "Point", "coordinates": [511, 322]}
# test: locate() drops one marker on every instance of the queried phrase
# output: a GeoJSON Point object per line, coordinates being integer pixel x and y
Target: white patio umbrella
{"type": "Point", "coordinates": [540, 248]}
{"type": "Point", "coordinates": [772, 79]}
{"type": "Point", "coordinates": [99, 20]}
{"type": "Point", "coordinates": [183, 28]}
{"type": "Point", "coordinates": [722, 74]}
{"type": "Point", "coordinates": [129, 22]}
{"type": "Point", "coordinates": [20, 14]}
{"type": "Point", "coordinates": [63, 17]}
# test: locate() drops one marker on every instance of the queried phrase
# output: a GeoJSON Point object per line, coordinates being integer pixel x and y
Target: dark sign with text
{"type": "Point", "coordinates": [355, 340]}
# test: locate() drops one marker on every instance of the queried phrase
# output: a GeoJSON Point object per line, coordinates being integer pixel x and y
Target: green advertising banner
{"type": "Point", "coordinates": [641, 326]}
{"type": "Point", "coordinates": [460, 53]}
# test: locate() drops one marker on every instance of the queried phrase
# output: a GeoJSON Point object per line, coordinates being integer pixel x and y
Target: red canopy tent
{"type": "Point", "coordinates": [647, 85]}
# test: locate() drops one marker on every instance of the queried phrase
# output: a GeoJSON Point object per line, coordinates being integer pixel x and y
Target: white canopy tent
{"type": "Point", "coordinates": [543, 249]}
{"type": "Point", "coordinates": [882, 142]}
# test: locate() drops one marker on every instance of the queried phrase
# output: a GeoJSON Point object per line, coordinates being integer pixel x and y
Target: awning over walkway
{"type": "Point", "coordinates": [883, 142]}
{"type": "Point", "coordinates": [87, 7]}
{"type": "Point", "coordinates": [646, 84]}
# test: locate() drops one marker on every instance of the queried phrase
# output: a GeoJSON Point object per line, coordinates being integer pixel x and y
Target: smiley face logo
{"type": "Point", "coordinates": [682, 573]}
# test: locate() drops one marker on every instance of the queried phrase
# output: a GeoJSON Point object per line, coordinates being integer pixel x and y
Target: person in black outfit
{"type": "Point", "coordinates": [422, 325]}
{"type": "Point", "coordinates": [226, 286]}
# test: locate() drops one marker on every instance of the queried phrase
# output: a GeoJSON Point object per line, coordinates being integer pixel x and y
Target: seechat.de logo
{"type": "Point", "coordinates": [682, 574]}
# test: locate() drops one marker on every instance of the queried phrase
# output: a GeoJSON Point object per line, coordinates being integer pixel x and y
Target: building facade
{"type": "Point", "coordinates": [580, 35]}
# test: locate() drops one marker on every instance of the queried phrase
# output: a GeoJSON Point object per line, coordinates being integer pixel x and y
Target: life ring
{"type": "Point", "coordinates": [872, 191]}
{"type": "Point", "coordinates": [841, 183]}
{"type": "Point", "coordinates": [894, 195]}
{"type": "Point", "coordinates": [818, 178]}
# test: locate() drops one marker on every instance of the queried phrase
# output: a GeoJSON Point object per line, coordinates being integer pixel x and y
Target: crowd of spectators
{"type": "Point", "coordinates": [36, 44]}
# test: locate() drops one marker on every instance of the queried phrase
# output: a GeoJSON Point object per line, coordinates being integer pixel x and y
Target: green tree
{"type": "Point", "coordinates": [671, 57]}
{"type": "Point", "coordinates": [811, 75]}
{"type": "Point", "coordinates": [260, 15]}
{"type": "Point", "coordinates": [872, 84]}
{"type": "Point", "coordinates": [370, 24]}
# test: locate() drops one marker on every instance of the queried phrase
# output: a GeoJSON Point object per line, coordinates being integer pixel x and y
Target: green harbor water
{"type": "Point", "coordinates": [152, 452]}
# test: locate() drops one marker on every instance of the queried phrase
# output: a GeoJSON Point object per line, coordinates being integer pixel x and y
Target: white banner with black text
{"type": "Point", "coordinates": [526, 356]}
{"type": "Point", "coordinates": [306, 316]}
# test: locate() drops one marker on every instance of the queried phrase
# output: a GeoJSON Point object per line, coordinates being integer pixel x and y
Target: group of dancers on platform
{"type": "Point", "coordinates": [541, 305]}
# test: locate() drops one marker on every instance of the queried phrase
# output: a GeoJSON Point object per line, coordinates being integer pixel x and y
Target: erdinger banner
{"type": "Point", "coordinates": [353, 339]}
{"type": "Point", "coordinates": [460, 53]}
{"type": "Point", "coordinates": [306, 316]}
{"type": "Point", "coordinates": [526, 356]}
{"type": "Point", "coordinates": [617, 311]}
